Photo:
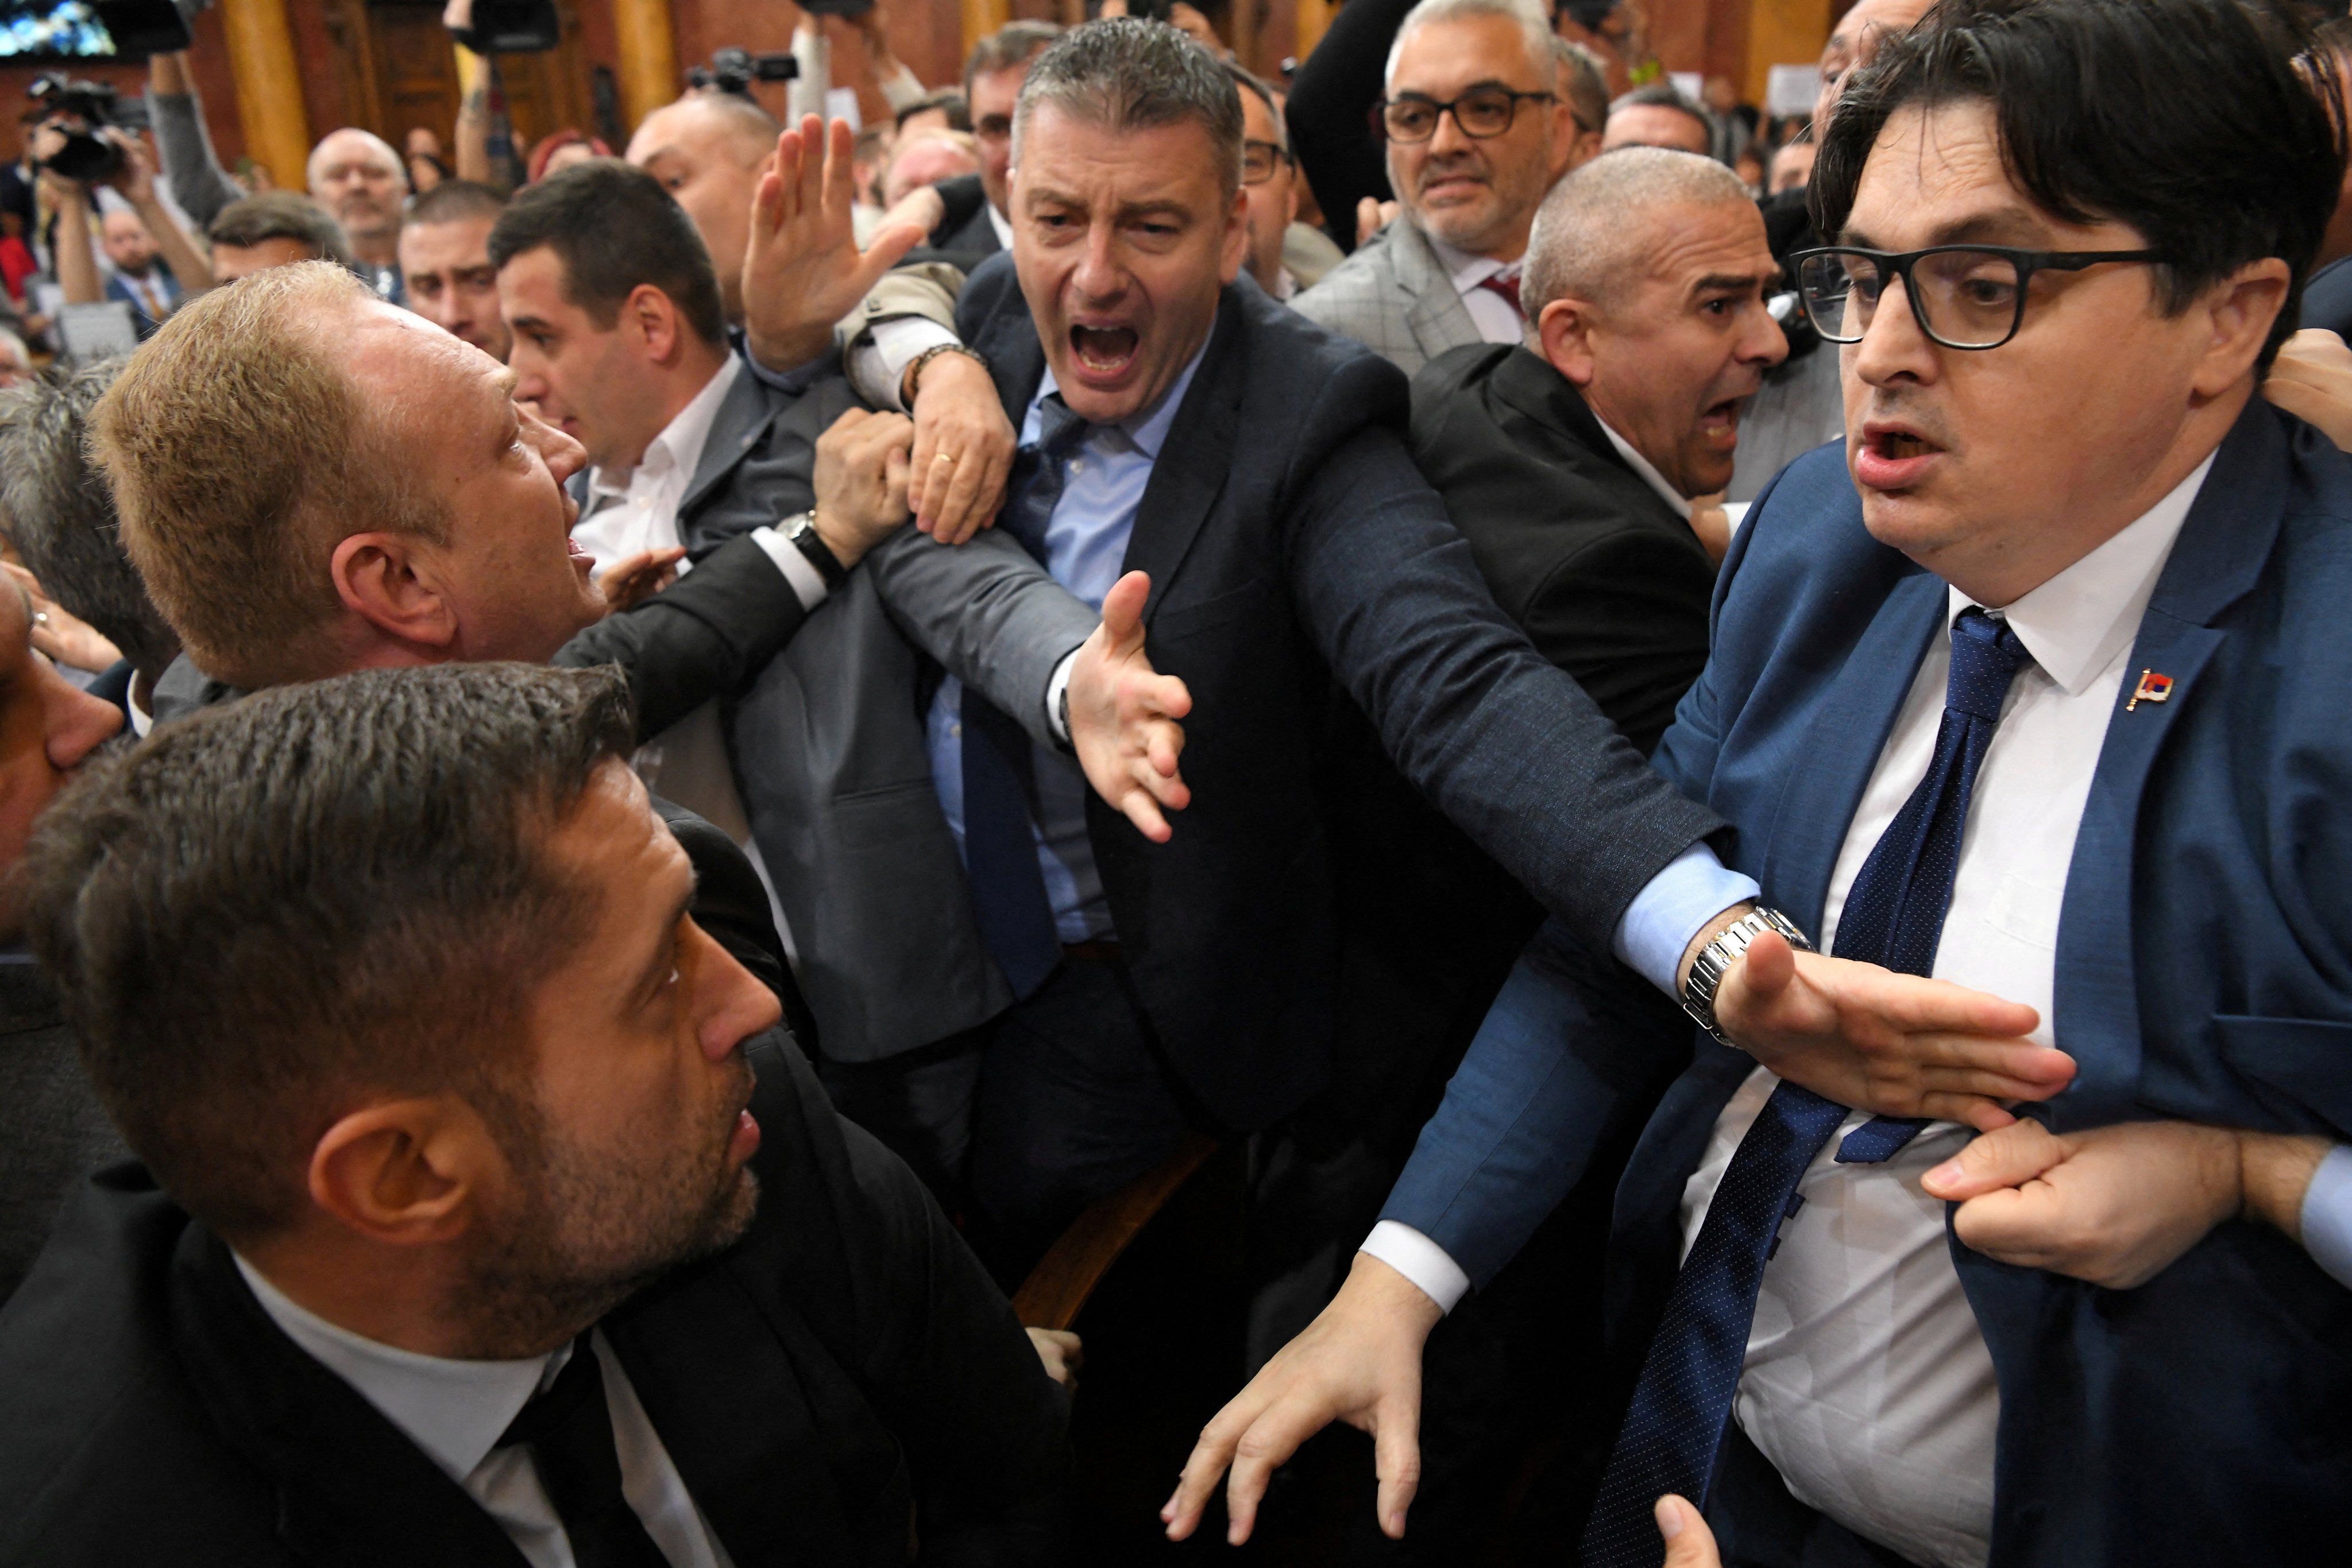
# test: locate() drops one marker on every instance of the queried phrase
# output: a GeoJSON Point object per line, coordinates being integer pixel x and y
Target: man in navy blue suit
{"type": "Point", "coordinates": [2034, 688]}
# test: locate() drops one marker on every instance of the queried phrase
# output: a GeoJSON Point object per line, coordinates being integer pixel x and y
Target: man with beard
{"type": "Point", "coordinates": [1477, 133]}
{"type": "Point", "coordinates": [445, 264]}
{"type": "Point", "coordinates": [464, 1229]}
{"type": "Point", "coordinates": [357, 178]}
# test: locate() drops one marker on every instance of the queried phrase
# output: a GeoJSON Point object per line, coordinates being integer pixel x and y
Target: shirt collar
{"type": "Point", "coordinates": [454, 1410]}
{"type": "Point", "coordinates": [1466, 270]}
{"type": "Point", "coordinates": [1144, 431]}
{"type": "Point", "coordinates": [2082, 620]}
{"type": "Point", "coordinates": [1643, 466]}
{"type": "Point", "coordinates": [678, 448]}
{"type": "Point", "coordinates": [999, 222]}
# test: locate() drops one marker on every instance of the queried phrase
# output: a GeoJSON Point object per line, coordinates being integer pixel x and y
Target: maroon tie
{"type": "Point", "coordinates": [1506, 284]}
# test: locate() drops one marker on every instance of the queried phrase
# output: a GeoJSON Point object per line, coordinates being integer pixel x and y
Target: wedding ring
{"type": "Point", "coordinates": [942, 458]}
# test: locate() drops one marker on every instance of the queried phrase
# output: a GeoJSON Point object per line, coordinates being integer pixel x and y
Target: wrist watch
{"type": "Point", "coordinates": [1715, 958]}
{"type": "Point", "coordinates": [914, 382]}
{"type": "Point", "coordinates": [801, 534]}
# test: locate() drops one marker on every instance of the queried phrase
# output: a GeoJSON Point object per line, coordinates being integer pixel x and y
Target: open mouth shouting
{"type": "Point", "coordinates": [1893, 456]}
{"type": "Point", "coordinates": [1718, 424]}
{"type": "Point", "coordinates": [1103, 354]}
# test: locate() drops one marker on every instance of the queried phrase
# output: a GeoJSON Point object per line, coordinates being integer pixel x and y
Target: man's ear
{"type": "Point", "coordinates": [1564, 331]}
{"type": "Point", "coordinates": [407, 1172]}
{"type": "Point", "coordinates": [1564, 132]}
{"type": "Point", "coordinates": [2243, 307]}
{"type": "Point", "coordinates": [393, 581]}
{"type": "Point", "coordinates": [1236, 240]}
{"type": "Point", "coordinates": [654, 316]}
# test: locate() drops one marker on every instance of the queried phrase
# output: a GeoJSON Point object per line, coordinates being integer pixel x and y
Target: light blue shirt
{"type": "Point", "coordinates": [1085, 542]}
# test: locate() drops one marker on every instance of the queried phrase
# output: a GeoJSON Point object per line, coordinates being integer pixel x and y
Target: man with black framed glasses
{"type": "Point", "coordinates": [2034, 687]}
{"type": "Point", "coordinates": [1476, 132]}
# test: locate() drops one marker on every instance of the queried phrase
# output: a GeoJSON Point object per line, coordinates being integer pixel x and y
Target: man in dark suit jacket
{"type": "Point", "coordinates": [973, 229]}
{"type": "Point", "coordinates": [1570, 467]}
{"type": "Point", "coordinates": [503, 579]}
{"type": "Point", "coordinates": [1288, 560]}
{"type": "Point", "coordinates": [2122, 1363]}
{"type": "Point", "coordinates": [649, 1296]}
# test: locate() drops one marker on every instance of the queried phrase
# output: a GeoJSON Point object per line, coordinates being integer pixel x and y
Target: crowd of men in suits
{"type": "Point", "coordinates": [693, 794]}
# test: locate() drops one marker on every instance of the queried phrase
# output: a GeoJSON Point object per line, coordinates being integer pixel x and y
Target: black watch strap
{"type": "Point", "coordinates": [811, 545]}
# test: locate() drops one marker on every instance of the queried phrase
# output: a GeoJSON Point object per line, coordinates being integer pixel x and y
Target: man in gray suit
{"type": "Point", "coordinates": [1479, 122]}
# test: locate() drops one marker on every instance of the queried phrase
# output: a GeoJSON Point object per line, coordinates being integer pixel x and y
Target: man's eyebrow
{"type": "Point", "coordinates": [1733, 282]}
{"type": "Point", "coordinates": [665, 954]}
{"type": "Point", "coordinates": [2007, 226]}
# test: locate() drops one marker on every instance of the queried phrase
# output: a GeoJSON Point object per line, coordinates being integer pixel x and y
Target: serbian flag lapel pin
{"type": "Point", "coordinates": [2152, 687]}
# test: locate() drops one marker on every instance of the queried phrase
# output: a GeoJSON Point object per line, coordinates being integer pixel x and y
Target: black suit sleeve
{"type": "Point", "coordinates": [936, 1347]}
{"type": "Point", "coordinates": [1329, 105]}
{"type": "Point", "coordinates": [708, 636]}
{"type": "Point", "coordinates": [1617, 616]}
{"type": "Point", "coordinates": [1508, 747]}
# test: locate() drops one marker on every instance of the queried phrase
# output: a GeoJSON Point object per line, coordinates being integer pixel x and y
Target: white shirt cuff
{"type": "Point", "coordinates": [806, 581]}
{"type": "Point", "coordinates": [2328, 1215]}
{"type": "Point", "coordinates": [1419, 1259]}
{"type": "Point", "coordinates": [1676, 906]}
{"type": "Point", "coordinates": [1053, 690]}
{"type": "Point", "coordinates": [879, 364]}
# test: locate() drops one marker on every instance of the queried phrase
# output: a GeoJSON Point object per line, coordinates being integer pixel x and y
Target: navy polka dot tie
{"type": "Point", "coordinates": [1893, 916]}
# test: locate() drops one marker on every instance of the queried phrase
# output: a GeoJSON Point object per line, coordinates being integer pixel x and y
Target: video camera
{"type": "Point", "coordinates": [734, 70]}
{"type": "Point", "coordinates": [86, 156]}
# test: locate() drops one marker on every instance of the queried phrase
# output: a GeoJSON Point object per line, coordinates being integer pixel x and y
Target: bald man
{"type": "Point", "coordinates": [707, 150]}
{"type": "Point", "coordinates": [358, 178]}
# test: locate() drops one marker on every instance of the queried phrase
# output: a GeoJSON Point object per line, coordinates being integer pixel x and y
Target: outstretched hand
{"type": "Point", "coordinates": [1125, 716]}
{"type": "Point", "coordinates": [803, 271]}
{"type": "Point", "coordinates": [1359, 1361]}
{"type": "Point", "coordinates": [1895, 1044]}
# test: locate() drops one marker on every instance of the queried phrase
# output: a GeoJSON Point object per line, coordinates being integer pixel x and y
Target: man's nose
{"type": "Point", "coordinates": [1099, 276]}
{"type": "Point", "coordinates": [1894, 345]}
{"type": "Point", "coordinates": [736, 1004]}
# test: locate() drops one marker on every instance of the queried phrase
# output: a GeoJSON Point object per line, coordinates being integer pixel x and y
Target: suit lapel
{"type": "Point", "coordinates": [741, 423]}
{"type": "Point", "coordinates": [353, 1490]}
{"type": "Point", "coordinates": [1433, 308]}
{"type": "Point", "coordinates": [1832, 767]}
{"type": "Point", "coordinates": [1177, 500]}
{"type": "Point", "coordinates": [2222, 548]}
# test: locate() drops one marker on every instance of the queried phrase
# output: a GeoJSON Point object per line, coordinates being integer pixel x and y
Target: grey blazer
{"type": "Point", "coordinates": [829, 745]}
{"type": "Point", "coordinates": [1394, 297]}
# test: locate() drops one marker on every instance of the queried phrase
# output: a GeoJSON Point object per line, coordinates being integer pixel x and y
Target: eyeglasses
{"type": "Point", "coordinates": [1481, 112]}
{"type": "Point", "coordinates": [1260, 160]}
{"type": "Point", "coordinates": [1963, 296]}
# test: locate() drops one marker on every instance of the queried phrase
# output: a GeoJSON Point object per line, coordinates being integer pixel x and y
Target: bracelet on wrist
{"type": "Point", "coordinates": [915, 367]}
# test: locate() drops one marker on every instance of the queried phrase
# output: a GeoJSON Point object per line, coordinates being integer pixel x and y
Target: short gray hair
{"type": "Point", "coordinates": [1125, 74]}
{"type": "Point", "coordinates": [57, 510]}
{"type": "Point", "coordinates": [1591, 235]}
{"type": "Point", "coordinates": [1013, 44]}
{"type": "Point", "coordinates": [1585, 83]}
{"type": "Point", "coordinates": [1526, 13]}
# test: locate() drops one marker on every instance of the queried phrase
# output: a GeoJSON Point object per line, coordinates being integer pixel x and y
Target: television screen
{"type": "Point", "coordinates": [53, 30]}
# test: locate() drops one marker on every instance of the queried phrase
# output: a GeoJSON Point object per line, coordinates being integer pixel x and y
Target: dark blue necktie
{"type": "Point", "coordinates": [1000, 790]}
{"type": "Point", "coordinates": [1893, 916]}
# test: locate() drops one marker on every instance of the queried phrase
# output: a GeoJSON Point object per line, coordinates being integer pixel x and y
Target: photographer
{"type": "Point", "coordinates": [74, 251]}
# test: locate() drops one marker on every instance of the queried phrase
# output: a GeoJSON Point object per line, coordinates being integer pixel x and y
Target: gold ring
{"type": "Point", "coordinates": [942, 458]}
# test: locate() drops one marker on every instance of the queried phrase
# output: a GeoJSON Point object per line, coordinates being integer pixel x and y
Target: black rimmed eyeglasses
{"type": "Point", "coordinates": [1963, 296]}
{"type": "Point", "coordinates": [1481, 112]}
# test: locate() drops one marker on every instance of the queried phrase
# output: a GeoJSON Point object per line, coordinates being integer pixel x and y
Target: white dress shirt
{"type": "Point", "coordinates": [1492, 314]}
{"type": "Point", "coordinates": [1001, 223]}
{"type": "Point", "coordinates": [1645, 469]}
{"type": "Point", "coordinates": [456, 1411]}
{"type": "Point", "coordinates": [1867, 1381]}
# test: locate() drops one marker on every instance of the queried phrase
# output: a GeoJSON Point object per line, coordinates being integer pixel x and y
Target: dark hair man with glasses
{"type": "Point", "coordinates": [2036, 687]}
{"type": "Point", "coordinates": [1269, 185]}
{"type": "Point", "coordinates": [1477, 133]}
